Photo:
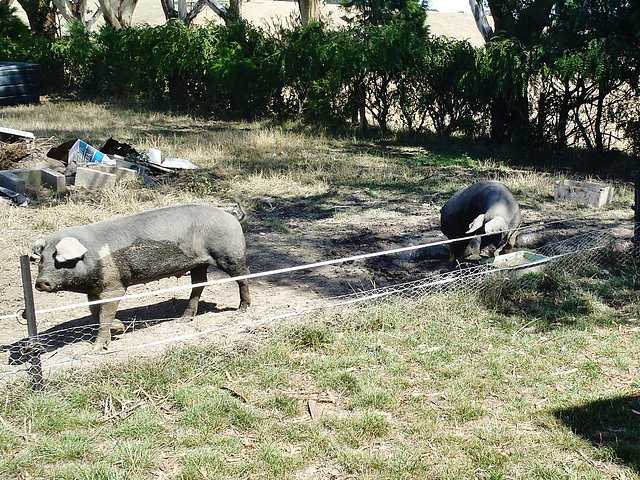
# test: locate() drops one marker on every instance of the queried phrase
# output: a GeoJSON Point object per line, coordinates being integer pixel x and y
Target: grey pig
{"type": "Point", "coordinates": [102, 259]}
{"type": "Point", "coordinates": [484, 207]}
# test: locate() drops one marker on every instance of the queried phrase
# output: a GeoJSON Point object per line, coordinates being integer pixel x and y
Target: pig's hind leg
{"type": "Point", "coordinates": [237, 268]}
{"type": "Point", "coordinates": [198, 275]}
{"type": "Point", "coordinates": [243, 285]}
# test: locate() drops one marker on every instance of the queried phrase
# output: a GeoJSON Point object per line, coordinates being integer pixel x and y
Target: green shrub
{"type": "Point", "coordinates": [318, 69]}
{"type": "Point", "coordinates": [16, 40]}
{"type": "Point", "coordinates": [439, 90]}
{"type": "Point", "coordinates": [76, 52]}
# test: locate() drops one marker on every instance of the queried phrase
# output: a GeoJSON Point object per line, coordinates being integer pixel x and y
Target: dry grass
{"type": "Point", "coordinates": [443, 386]}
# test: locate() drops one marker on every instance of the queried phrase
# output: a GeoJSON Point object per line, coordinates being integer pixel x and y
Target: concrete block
{"type": "Point", "coordinates": [584, 193]}
{"type": "Point", "coordinates": [32, 178]}
{"type": "Point", "coordinates": [94, 179]}
{"type": "Point", "coordinates": [54, 180]}
{"type": "Point", "coordinates": [10, 180]}
{"type": "Point", "coordinates": [120, 172]}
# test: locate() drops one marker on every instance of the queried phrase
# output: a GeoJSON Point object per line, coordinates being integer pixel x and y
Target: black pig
{"type": "Point", "coordinates": [104, 258]}
{"type": "Point", "coordinates": [484, 207]}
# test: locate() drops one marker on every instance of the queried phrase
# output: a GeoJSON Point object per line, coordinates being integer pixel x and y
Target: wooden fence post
{"type": "Point", "coordinates": [32, 348]}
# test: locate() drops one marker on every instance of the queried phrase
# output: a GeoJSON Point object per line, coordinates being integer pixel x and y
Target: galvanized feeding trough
{"type": "Point", "coordinates": [518, 263]}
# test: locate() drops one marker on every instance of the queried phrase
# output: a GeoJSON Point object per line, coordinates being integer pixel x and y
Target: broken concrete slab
{"type": "Point", "coordinates": [584, 193]}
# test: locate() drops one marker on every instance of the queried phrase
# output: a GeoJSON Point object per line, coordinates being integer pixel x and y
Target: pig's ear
{"type": "Point", "coordinates": [476, 224]}
{"type": "Point", "coordinates": [68, 249]}
{"type": "Point", "coordinates": [38, 247]}
{"type": "Point", "coordinates": [496, 225]}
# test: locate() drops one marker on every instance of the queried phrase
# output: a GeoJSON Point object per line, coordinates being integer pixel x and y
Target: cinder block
{"type": "Point", "coordinates": [31, 177]}
{"type": "Point", "coordinates": [10, 180]}
{"type": "Point", "coordinates": [54, 180]}
{"type": "Point", "coordinates": [94, 179]}
{"type": "Point", "coordinates": [585, 193]}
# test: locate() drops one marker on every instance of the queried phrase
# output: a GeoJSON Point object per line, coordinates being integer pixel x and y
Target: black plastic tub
{"type": "Point", "coordinates": [19, 83]}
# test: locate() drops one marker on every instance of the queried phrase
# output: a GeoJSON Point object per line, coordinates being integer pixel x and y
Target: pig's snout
{"type": "Point", "coordinates": [43, 285]}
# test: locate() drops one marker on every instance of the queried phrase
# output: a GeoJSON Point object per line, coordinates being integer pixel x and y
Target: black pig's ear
{"type": "Point", "coordinates": [68, 249]}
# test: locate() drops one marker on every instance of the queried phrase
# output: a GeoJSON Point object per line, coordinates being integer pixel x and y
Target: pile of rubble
{"type": "Point", "coordinates": [23, 166]}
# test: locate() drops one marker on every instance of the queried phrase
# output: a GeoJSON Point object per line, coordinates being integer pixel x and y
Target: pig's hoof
{"type": "Point", "coordinates": [117, 327]}
{"type": "Point", "coordinates": [99, 347]}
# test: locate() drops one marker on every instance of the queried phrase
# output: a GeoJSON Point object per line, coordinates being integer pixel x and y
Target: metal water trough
{"type": "Point", "coordinates": [519, 263]}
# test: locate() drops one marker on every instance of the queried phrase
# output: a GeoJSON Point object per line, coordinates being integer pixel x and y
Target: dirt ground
{"type": "Point", "coordinates": [313, 234]}
{"type": "Point", "coordinates": [280, 234]}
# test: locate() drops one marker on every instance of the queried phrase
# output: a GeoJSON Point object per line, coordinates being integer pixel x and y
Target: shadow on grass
{"type": "Point", "coordinates": [457, 151]}
{"type": "Point", "coordinates": [612, 423]}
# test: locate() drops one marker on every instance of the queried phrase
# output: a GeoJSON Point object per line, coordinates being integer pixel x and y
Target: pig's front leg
{"type": "Point", "coordinates": [105, 315]}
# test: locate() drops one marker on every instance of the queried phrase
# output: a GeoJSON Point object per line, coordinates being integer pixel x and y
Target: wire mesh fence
{"type": "Point", "coordinates": [60, 353]}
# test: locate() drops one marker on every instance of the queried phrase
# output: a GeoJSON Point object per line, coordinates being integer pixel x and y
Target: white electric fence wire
{"type": "Point", "coordinates": [278, 271]}
{"type": "Point", "coordinates": [577, 249]}
{"type": "Point", "coordinates": [246, 277]}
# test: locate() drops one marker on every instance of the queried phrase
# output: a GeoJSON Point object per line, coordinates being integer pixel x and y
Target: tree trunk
{"type": "Point", "coordinates": [42, 19]}
{"type": "Point", "coordinates": [77, 10]}
{"type": "Point", "coordinates": [118, 13]}
{"type": "Point", "coordinates": [309, 11]}
{"type": "Point", "coordinates": [363, 109]}
{"type": "Point", "coordinates": [187, 16]}
{"type": "Point", "coordinates": [563, 117]}
{"type": "Point", "coordinates": [235, 11]}
{"type": "Point", "coordinates": [597, 128]}
{"type": "Point", "coordinates": [481, 19]}
{"type": "Point", "coordinates": [499, 120]}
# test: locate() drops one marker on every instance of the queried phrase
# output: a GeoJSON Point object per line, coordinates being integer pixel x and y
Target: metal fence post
{"type": "Point", "coordinates": [32, 348]}
{"type": "Point", "coordinates": [636, 218]}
